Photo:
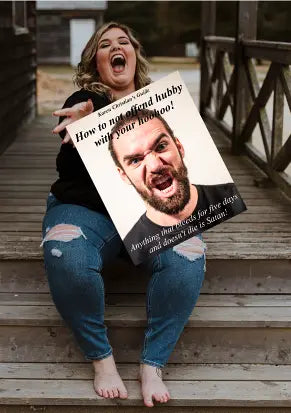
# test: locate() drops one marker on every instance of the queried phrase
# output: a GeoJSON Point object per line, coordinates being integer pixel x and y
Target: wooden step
{"type": "Point", "coordinates": [240, 331]}
{"type": "Point", "coordinates": [191, 385]}
{"type": "Point", "coordinates": [209, 315]}
{"type": "Point", "coordinates": [223, 276]}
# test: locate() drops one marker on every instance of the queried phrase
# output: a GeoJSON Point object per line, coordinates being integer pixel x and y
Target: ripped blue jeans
{"type": "Point", "coordinates": [77, 243]}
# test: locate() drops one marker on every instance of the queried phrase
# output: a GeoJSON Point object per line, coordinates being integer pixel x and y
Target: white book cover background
{"type": "Point", "coordinates": [171, 98]}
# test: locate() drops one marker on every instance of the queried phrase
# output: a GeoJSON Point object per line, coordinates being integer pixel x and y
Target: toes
{"type": "Point", "coordinates": [148, 401]}
{"type": "Point", "coordinates": [165, 398]}
{"type": "Point", "coordinates": [105, 393]}
{"type": "Point", "coordinates": [123, 394]}
{"type": "Point", "coordinates": [111, 395]}
{"type": "Point", "coordinates": [157, 396]}
{"type": "Point", "coordinates": [99, 392]}
{"type": "Point", "coordinates": [115, 392]}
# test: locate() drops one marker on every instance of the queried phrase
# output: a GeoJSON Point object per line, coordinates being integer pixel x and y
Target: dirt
{"type": "Point", "coordinates": [53, 88]}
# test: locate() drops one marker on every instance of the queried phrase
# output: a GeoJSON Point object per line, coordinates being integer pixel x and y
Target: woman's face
{"type": "Point", "coordinates": [116, 60]}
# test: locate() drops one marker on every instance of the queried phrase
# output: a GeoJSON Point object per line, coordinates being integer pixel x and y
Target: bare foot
{"type": "Point", "coordinates": [152, 386]}
{"type": "Point", "coordinates": [107, 381]}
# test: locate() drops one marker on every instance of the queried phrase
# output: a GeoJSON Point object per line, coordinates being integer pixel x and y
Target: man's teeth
{"type": "Point", "coordinates": [166, 190]}
{"type": "Point", "coordinates": [161, 180]}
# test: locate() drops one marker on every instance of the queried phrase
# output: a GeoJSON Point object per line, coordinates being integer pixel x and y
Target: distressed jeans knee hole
{"type": "Point", "coordinates": [63, 232]}
{"type": "Point", "coordinates": [191, 249]}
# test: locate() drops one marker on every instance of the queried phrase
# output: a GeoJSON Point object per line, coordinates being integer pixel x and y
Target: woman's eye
{"type": "Point", "coordinates": [103, 45]}
{"type": "Point", "coordinates": [124, 42]}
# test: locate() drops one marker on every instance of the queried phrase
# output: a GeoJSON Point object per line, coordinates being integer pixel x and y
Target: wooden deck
{"type": "Point", "coordinates": [28, 169]}
{"type": "Point", "coordinates": [234, 354]}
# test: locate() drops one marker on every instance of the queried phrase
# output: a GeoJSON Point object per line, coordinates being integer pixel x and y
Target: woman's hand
{"type": "Point", "coordinates": [76, 112]}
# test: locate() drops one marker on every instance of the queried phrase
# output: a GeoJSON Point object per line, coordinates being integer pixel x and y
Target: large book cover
{"type": "Point", "coordinates": [156, 168]}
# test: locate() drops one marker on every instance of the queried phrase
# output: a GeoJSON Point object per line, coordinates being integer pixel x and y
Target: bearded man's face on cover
{"type": "Point", "coordinates": [152, 161]}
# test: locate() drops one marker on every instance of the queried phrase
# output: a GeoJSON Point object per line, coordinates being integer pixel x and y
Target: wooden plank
{"type": "Point", "coordinates": [283, 158]}
{"type": "Point", "coordinates": [22, 203]}
{"type": "Point", "coordinates": [243, 189]}
{"type": "Point", "coordinates": [207, 393]}
{"type": "Point", "coordinates": [228, 226]}
{"type": "Point", "coordinates": [278, 117]}
{"type": "Point", "coordinates": [25, 194]}
{"type": "Point", "coordinates": [254, 205]}
{"type": "Point", "coordinates": [275, 251]}
{"type": "Point", "coordinates": [281, 179]}
{"type": "Point", "coordinates": [229, 82]}
{"type": "Point", "coordinates": [210, 317]}
{"type": "Point", "coordinates": [140, 409]}
{"type": "Point", "coordinates": [258, 113]}
{"type": "Point", "coordinates": [196, 345]}
{"type": "Point", "coordinates": [25, 172]}
{"type": "Point", "coordinates": [38, 207]}
{"type": "Point", "coordinates": [139, 300]}
{"type": "Point", "coordinates": [241, 218]}
{"type": "Point", "coordinates": [24, 188]}
{"type": "Point", "coordinates": [208, 17]}
{"type": "Point", "coordinates": [84, 371]}
{"type": "Point", "coordinates": [237, 276]}
{"type": "Point", "coordinates": [281, 250]}
{"type": "Point", "coordinates": [286, 83]}
{"type": "Point", "coordinates": [277, 52]}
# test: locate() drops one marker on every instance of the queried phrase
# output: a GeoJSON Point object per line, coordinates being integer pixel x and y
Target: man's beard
{"type": "Point", "coordinates": [177, 202]}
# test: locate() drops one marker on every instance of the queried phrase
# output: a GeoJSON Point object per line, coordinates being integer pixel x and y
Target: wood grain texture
{"type": "Point", "coordinates": [185, 393]}
{"type": "Point", "coordinates": [201, 345]}
{"type": "Point", "coordinates": [139, 300]}
{"type": "Point", "coordinates": [222, 277]}
{"type": "Point", "coordinates": [116, 316]}
{"type": "Point", "coordinates": [129, 371]}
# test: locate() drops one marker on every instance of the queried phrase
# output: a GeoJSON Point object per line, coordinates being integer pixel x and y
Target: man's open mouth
{"type": "Point", "coordinates": [163, 184]}
{"type": "Point", "coordinates": [118, 63]}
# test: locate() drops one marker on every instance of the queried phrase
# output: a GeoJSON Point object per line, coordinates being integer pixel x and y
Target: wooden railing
{"type": "Point", "coordinates": [230, 81]}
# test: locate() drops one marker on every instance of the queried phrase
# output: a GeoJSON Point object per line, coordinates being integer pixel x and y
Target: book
{"type": "Point", "coordinates": [156, 169]}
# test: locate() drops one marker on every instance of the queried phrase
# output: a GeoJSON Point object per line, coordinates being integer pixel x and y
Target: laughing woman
{"type": "Point", "coordinates": [78, 226]}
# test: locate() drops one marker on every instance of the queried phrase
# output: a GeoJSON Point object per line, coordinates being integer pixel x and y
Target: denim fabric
{"type": "Point", "coordinates": [74, 266]}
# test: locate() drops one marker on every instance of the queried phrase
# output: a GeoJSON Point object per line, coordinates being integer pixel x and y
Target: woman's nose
{"type": "Point", "coordinates": [115, 46]}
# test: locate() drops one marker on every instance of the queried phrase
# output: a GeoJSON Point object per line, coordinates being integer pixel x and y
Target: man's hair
{"type": "Point", "coordinates": [143, 114]}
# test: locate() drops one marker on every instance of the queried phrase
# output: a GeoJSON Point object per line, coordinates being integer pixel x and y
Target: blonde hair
{"type": "Point", "coordinates": [87, 76]}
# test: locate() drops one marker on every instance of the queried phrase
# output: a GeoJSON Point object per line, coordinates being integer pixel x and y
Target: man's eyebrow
{"type": "Point", "coordinates": [138, 155]}
{"type": "Point", "coordinates": [119, 38]}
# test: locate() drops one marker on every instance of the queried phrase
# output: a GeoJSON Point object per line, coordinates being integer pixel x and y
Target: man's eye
{"type": "Point", "coordinates": [134, 161]}
{"type": "Point", "coordinates": [161, 146]}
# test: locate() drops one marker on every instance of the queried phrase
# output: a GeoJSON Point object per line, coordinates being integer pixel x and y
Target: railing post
{"type": "Point", "coordinates": [208, 19]}
{"type": "Point", "coordinates": [246, 28]}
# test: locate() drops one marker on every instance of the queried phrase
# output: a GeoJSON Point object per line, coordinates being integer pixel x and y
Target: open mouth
{"type": "Point", "coordinates": [164, 184]}
{"type": "Point", "coordinates": [118, 63]}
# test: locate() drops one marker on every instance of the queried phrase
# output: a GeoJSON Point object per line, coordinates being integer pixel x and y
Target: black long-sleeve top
{"type": "Point", "coordinates": [74, 185]}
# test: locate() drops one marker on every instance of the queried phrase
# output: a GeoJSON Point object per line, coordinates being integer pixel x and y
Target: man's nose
{"type": "Point", "coordinates": [153, 162]}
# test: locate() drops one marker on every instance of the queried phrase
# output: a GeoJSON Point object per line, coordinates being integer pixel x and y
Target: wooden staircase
{"type": "Point", "coordinates": [235, 352]}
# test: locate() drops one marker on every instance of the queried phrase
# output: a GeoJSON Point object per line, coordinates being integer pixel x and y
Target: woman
{"type": "Point", "coordinates": [79, 237]}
